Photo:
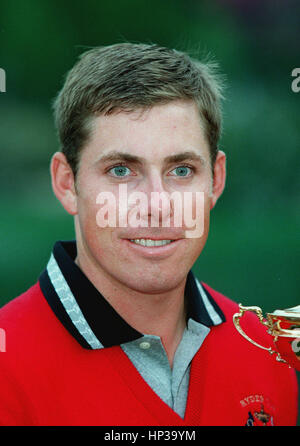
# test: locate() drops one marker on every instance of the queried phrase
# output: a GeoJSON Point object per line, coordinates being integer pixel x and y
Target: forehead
{"type": "Point", "coordinates": [155, 133]}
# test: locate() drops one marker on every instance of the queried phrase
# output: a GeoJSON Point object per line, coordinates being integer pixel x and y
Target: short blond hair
{"type": "Point", "coordinates": [130, 76]}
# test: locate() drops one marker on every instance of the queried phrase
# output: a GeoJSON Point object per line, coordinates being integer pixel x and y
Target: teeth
{"type": "Point", "coordinates": [149, 242]}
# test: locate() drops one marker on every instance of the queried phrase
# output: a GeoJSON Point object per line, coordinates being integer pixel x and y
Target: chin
{"type": "Point", "coordinates": [155, 283]}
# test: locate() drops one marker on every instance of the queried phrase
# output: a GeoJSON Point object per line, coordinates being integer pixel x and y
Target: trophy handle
{"type": "Point", "coordinates": [258, 312]}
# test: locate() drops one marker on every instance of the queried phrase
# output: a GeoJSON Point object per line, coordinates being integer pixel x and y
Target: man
{"type": "Point", "coordinates": [118, 331]}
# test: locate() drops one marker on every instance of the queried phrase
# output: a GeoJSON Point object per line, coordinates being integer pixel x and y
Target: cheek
{"type": "Point", "coordinates": [87, 210]}
{"type": "Point", "coordinates": [87, 220]}
{"type": "Point", "coordinates": [196, 213]}
{"type": "Point", "coordinates": [98, 221]}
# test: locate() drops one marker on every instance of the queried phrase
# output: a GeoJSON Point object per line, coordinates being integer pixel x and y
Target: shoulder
{"type": "Point", "coordinates": [239, 348]}
{"type": "Point", "coordinates": [253, 371]}
{"type": "Point", "coordinates": [229, 308]}
{"type": "Point", "coordinates": [23, 310]}
{"type": "Point", "coordinates": [30, 326]}
{"type": "Point", "coordinates": [227, 305]}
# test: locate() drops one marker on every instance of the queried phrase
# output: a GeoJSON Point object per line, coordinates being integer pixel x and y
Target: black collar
{"type": "Point", "coordinates": [88, 316]}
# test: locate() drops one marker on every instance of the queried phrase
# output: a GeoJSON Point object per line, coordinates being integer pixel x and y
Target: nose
{"type": "Point", "coordinates": [158, 208]}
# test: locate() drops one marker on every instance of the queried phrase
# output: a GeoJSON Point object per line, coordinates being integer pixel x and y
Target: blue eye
{"type": "Point", "coordinates": [120, 171]}
{"type": "Point", "coordinates": [182, 171]}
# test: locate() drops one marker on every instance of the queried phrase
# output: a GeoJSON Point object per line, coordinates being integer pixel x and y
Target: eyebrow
{"type": "Point", "coordinates": [179, 157]}
{"type": "Point", "coordinates": [184, 156]}
{"type": "Point", "coordinates": [114, 156]}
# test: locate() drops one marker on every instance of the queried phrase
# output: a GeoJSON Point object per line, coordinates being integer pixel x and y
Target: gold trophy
{"type": "Point", "coordinates": [284, 326]}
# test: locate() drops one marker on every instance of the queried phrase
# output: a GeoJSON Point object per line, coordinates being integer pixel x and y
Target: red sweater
{"type": "Point", "coordinates": [47, 378]}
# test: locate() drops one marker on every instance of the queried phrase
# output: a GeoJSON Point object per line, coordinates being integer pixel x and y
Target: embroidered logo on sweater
{"type": "Point", "coordinates": [258, 411]}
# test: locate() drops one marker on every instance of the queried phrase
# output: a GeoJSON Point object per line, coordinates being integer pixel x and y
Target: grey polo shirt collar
{"type": "Point", "coordinates": [88, 316]}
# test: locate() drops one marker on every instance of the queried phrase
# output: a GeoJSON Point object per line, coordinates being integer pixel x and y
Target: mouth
{"type": "Point", "coordinates": [153, 248]}
{"type": "Point", "coordinates": [150, 243]}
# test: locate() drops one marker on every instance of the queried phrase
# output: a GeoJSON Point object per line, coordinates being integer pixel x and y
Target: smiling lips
{"type": "Point", "coordinates": [151, 242]}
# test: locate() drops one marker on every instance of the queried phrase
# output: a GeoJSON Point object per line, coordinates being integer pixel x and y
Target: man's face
{"type": "Point", "coordinates": [161, 150]}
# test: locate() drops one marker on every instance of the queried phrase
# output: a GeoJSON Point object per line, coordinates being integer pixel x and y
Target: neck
{"type": "Point", "coordinates": [160, 314]}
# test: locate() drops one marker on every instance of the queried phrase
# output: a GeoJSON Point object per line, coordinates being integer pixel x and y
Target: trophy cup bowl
{"type": "Point", "coordinates": [283, 326]}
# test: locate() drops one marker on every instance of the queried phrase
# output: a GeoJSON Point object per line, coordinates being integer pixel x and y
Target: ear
{"type": "Point", "coordinates": [63, 183]}
{"type": "Point", "coordinates": [219, 177]}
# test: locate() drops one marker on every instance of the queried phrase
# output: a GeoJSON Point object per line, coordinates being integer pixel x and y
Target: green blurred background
{"type": "Point", "coordinates": [253, 252]}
